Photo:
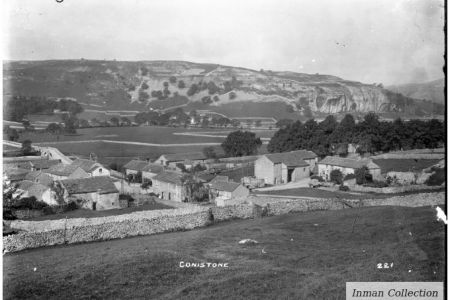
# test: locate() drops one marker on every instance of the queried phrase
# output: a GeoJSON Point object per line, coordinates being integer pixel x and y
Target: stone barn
{"type": "Point", "coordinates": [96, 193]}
{"type": "Point", "coordinates": [280, 168]}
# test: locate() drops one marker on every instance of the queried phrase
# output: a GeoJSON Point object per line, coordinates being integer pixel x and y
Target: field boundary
{"type": "Point", "coordinates": [126, 143]}
{"type": "Point", "coordinates": [34, 234]}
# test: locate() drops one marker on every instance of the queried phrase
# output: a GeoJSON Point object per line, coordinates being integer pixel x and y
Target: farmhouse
{"type": "Point", "coordinates": [39, 191]}
{"type": "Point", "coordinates": [222, 192]}
{"type": "Point", "coordinates": [96, 193]}
{"type": "Point", "coordinates": [278, 168]}
{"type": "Point", "coordinates": [41, 164]}
{"type": "Point", "coordinates": [151, 170]}
{"type": "Point", "coordinates": [134, 166]}
{"type": "Point", "coordinates": [92, 168]}
{"type": "Point", "coordinates": [169, 186]}
{"type": "Point", "coordinates": [15, 174]}
{"type": "Point", "coordinates": [62, 171]}
{"type": "Point", "coordinates": [39, 177]}
{"type": "Point", "coordinates": [346, 166]}
{"type": "Point", "coordinates": [188, 159]}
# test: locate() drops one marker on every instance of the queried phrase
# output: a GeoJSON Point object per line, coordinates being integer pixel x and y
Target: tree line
{"type": "Point", "coordinates": [371, 135]}
{"type": "Point", "coordinates": [21, 106]}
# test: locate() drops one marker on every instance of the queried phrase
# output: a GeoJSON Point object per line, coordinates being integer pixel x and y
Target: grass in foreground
{"type": "Point", "coordinates": [88, 213]}
{"type": "Point", "coordinates": [306, 256]}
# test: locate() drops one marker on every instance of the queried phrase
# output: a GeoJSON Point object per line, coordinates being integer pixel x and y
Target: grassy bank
{"type": "Point", "coordinates": [306, 256]}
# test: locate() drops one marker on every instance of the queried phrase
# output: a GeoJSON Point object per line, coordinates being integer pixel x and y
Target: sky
{"type": "Point", "coordinates": [376, 41]}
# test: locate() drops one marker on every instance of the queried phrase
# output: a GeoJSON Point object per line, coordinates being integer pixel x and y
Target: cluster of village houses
{"type": "Point", "coordinates": [94, 186]}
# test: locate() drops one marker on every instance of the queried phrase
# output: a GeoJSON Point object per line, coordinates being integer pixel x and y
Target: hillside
{"type": "Point", "coordinates": [114, 85]}
{"type": "Point", "coordinates": [432, 90]}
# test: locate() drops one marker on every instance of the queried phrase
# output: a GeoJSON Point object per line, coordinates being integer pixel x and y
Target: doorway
{"type": "Point", "coordinates": [289, 174]}
{"type": "Point", "coordinates": [94, 205]}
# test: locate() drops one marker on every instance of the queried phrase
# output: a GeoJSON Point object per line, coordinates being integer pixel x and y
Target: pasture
{"type": "Point", "coordinates": [298, 256]}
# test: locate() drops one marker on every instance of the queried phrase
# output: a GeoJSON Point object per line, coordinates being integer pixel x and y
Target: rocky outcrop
{"type": "Point", "coordinates": [119, 85]}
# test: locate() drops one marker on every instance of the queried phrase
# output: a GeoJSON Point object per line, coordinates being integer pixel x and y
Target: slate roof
{"type": "Point", "coordinates": [33, 188]}
{"type": "Point", "coordinates": [225, 186]}
{"type": "Point", "coordinates": [347, 162]}
{"type": "Point", "coordinates": [61, 169]}
{"type": "Point", "coordinates": [153, 168]}
{"type": "Point", "coordinates": [292, 158]}
{"type": "Point", "coordinates": [103, 184]}
{"type": "Point", "coordinates": [39, 177]}
{"type": "Point", "coordinates": [136, 165]}
{"type": "Point", "coordinates": [44, 163]}
{"type": "Point", "coordinates": [169, 177]}
{"type": "Point", "coordinates": [184, 156]}
{"type": "Point", "coordinates": [85, 164]}
{"type": "Point", "coordinates": [220, 178]}
{"type": "Point", "coordinates": [16, 174]}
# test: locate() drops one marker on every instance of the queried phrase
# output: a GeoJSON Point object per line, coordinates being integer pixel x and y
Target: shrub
{"type": "Point", "coordinates": [319, 178]}
{"type": "Point", "coordinates": [232, 95]}
{"type": "Point", "coordinates": [48, 210]}
{"type": "Point", "coordinates": [363, 175]}
{"type": "Point", "coordinates": [376, 184]}
{"type": "Point", "coordinates": [336, 176]}
{"type": "Point", "coordinates": [29, 203]}
{"type": "Point", "coordinates": [8, 215]}
{"type": "Point", "coordinates": [146, 184]}
{"type": "Point", "coordinates": [437, 178]}
{"type": "Point", "coordinates": [349, 176]}
{"type": "Point", "coordinates": [344, 188]}
{"type": "Point", "coordinates": [72, 206]}
{"type": "Point", "coordinates": [126, 197]}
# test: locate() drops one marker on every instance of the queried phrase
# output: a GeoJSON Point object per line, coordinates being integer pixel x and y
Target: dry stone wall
{"type": "Point", "coordinates": [55, 232]}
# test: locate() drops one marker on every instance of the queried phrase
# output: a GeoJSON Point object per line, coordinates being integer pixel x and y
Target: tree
{"type": "Point", "coordinates": [125, 121]}
{"type": "Point", "coordinates": [13, 135]}
{"type": "Point", "coordinates": [240, 143]}
{"type": "Point", "coordinates": [114, 121]}
{"type": "Point", "coordinates": [172, 79]}
{"type": "Point", "coordinates": [192, 90]}
{"type": "Point", "coordinates": [195, 191]}
{"type": "Point", "coordinates": [216, 98]}
{"type": "Point", "coordinates": [206, 100]}
{"type": "Point", "coordinates": [143, 95]}
{"type": "Point", "coordinates": [336, 176]}
{"type": "Point", "coordinates": [27, 149]}
{"type": "Point", "coordinates": [363, 175]}
{"type": "Point", "coordinates": [182, 167]}
{"type": "Point", "coordinates": [144, 86]}
{"type": "Point", "coordinates": [232, 95]}
{"type": "Point", "coordinates": [54, 128]}
{"type": "Point", "coordinates": [26, 124]}
{"type": "Point", "coordinates": [166, 84]}
{"type": "Point", "coordinates": [181, 84]}
{"type": "Point", "coordinates": [283, 123]}
{"type": "Point", "coordinates": [209, 152]}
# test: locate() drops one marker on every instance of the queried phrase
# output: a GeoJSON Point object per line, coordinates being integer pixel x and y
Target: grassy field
{"type": "Point", "coordinates": [306, 256]}
{"type": "Point", "coordinates": [88, 213]}
{"type": "Point", "coordinates": [404, 165]}
{"type": "Point", "coordinates": [145, 134]}
{"type": "Point", "coordinates": [319, 193]}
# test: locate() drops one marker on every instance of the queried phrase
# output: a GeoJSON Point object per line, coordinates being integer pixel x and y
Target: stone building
{"type": "Point", "coordinates": [280, 168]}
{"type": "Point", "coordinates": [96, 193]}
{"type": "Point", "coordinates": [346, 166]}
{"type": "Point", "coordinates": [91, 167]}
{"type": "Point", "coordinates": [168, 186]}
{"type": "Point", "coordinates": [222, 192]}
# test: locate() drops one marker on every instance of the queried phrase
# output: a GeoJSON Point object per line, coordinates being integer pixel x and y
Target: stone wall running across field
{"type": "Point", "coordinates": [35, 234]}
